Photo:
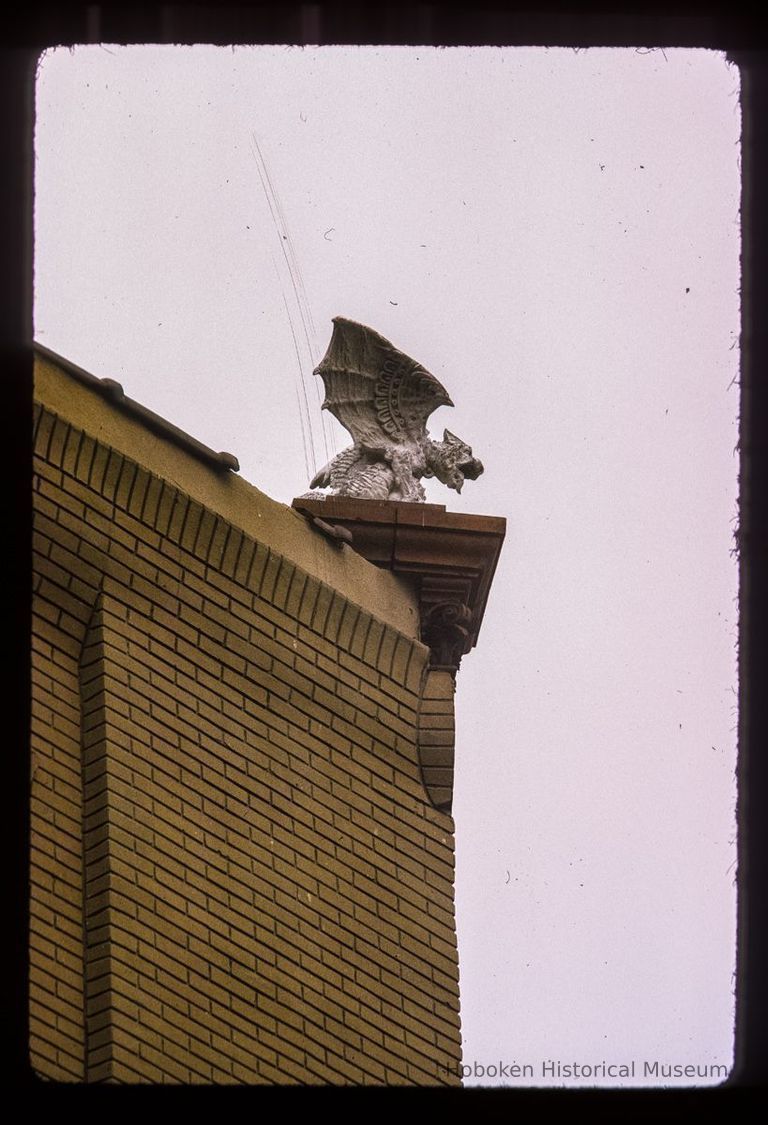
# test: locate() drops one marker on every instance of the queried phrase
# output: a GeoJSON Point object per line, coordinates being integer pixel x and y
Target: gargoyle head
{"type": "Point", "coordinates": [451, 461]}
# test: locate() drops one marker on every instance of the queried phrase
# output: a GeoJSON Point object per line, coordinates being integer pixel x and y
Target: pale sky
{"type": "Point", "coordinates": [554, 234]}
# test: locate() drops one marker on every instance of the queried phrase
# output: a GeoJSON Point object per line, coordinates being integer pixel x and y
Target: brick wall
{"type": "Point", "coordinates": [236, 874]}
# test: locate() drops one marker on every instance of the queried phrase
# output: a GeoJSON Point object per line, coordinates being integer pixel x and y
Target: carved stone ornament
{"type": "Point", "coordinates": [445, 628]}
{"type": "Point", "coordinates": [383, 398]}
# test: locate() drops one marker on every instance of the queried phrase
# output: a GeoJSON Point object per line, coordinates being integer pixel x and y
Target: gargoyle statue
{"type": "Point", "coordinates": [384, 399]}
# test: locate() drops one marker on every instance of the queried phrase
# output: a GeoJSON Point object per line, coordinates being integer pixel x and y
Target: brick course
{"type": "Point", "coordinates": [236, 873]}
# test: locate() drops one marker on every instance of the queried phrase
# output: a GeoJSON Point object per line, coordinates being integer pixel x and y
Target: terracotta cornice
{"type": "Point", "coordinates": [450, 556]}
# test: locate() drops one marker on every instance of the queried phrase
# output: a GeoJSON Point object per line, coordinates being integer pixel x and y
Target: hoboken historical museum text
{"type": "Point", "coordinates": [549, 1069]}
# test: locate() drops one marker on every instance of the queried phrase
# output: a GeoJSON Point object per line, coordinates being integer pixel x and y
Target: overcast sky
{"type": "Point", "coordinates": [554, 234]}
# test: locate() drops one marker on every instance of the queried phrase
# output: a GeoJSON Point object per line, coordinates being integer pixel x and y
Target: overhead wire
{"type": "Point", "coordinates": [300, 297]}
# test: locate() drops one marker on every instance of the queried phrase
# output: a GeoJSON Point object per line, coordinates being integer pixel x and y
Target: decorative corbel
{"type": "Point", "coordinates": [445, 628]}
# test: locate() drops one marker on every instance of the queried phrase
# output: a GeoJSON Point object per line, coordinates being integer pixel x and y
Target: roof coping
{"type": "Point", "coordinates": [113, 391]}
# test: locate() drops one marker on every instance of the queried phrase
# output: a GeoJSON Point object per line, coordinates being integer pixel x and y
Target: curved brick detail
{"type": "Point", "coordinates": [437, 736]}
{"type": "Point", "coordinates": [448, 559]}
{"type": "Point", "coordinates": [268, 894]}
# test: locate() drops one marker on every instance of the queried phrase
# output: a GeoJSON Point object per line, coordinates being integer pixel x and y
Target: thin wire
{"type": "Point", "coordinates": [303, 435]}
{"type": "Point", "coordinates": [305, 312]}
{"type": "Point", "coordinates": [271, 203]}
{"type": "Point", "coordinates": [299, 291]}
{"type": "Point", "coordinates": [304, 392]}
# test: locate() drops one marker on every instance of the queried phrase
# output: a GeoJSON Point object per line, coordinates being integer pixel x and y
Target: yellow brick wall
{"type": "Point", "coordinates": [236, 873]}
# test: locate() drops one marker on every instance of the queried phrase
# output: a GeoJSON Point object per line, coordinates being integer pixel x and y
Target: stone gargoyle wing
{"type": "Point", "coordinates": [382, 396]}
